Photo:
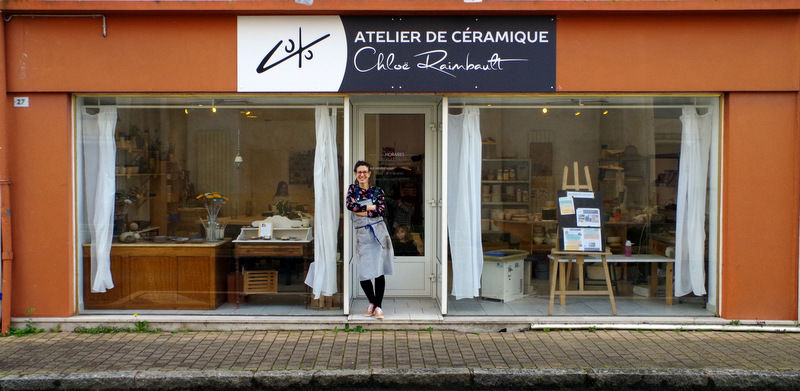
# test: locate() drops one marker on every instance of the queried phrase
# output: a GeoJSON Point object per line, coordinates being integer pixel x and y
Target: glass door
{"type": "Point", "coordinates": [397, 141]}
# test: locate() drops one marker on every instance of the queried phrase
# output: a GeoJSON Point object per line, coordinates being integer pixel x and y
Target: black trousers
{"type": "Point", "coordinates": [375, 297]}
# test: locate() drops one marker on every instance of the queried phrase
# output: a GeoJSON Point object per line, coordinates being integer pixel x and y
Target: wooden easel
{"type": "Point", "coordinates": [562, 270]}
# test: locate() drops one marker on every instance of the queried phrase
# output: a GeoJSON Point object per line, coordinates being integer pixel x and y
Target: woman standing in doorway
{"type": "Point", "coordinates": [374, 253]}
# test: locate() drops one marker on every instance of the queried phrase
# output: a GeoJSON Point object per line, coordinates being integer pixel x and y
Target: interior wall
{"type": "Point", "coordinates": [574, 137]}
{"type": "Point", "coordinates": [268, 143]}
{"type": "Point", "coordinates": [761, 175]}
{"type": "Point", "coordinates": [41, 171]}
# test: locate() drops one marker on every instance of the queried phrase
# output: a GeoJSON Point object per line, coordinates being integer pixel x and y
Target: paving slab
{"type": "Point", "coordinates": [402, 359]}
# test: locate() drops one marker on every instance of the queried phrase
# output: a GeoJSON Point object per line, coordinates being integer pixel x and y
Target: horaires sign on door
{"type": "Point", "coordinates": [396, 54]}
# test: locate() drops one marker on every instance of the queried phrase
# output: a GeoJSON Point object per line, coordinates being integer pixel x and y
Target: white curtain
{"type": "Point", "coordinates": [692, 183]}
{"type": "Point", "coordinates": [463, 201]}
{"type": "Point", "coordinates": [99, 155]}
{"type": "Point", "coordinates": [322, 272]}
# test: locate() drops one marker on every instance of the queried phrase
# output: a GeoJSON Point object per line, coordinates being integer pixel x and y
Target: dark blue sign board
{"type": "Point", "coordinates": [450, 54]}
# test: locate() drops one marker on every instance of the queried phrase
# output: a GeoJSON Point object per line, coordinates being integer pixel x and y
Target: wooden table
{"type": "Point", "coordinates": [150, 275]}
{"type": "Point", "coordinates": [653, 259]}
{"type": "Point", "coordinates": [558, 262]}
{"type": "Point", "coordinates": [302, 250]}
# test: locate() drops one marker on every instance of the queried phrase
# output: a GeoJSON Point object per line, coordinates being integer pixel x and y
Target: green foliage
{"type": "Point", "coordinates": [283, 207]}
{"type": "Point", "coordinates": [735, 322]}
{"type": "Point", "coordinates": [347, 329]}
{"type": "Point", "coordinates": [143, 327]}
{"type": "Point", "coordinates": [30, 327]}
{"type": "Point", "coordinates": [139, 327]}
{"type": "Point", "coordinates": [100, 330]}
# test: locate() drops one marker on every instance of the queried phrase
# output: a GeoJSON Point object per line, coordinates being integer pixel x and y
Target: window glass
{"type": "Point", "coordinates": [190, 177]}
{"type": "Point", "coordinates": [395, 146]}
{"type": "Point", "coordinates": [632, 147]}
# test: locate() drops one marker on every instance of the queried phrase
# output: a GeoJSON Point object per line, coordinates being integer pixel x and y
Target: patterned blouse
{"type": "Point", "coordinates": [355, 193]}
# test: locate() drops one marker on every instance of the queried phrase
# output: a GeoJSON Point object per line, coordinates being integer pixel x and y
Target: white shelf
{"type": "Point", "coordinates": [521, 181]}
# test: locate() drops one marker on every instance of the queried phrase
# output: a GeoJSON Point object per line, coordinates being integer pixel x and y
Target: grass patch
{"type": "Point", "coordinates": [138, 327]}
{"type": "Point", "coordinates": [30, 327]}
{"type": "Point", "coordinates": [347, 329]}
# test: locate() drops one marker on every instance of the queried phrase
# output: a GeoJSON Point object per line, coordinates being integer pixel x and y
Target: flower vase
{"type": "Point", "coordinates": [211, 229]}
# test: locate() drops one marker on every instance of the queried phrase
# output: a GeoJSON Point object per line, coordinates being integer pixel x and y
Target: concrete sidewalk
{"type": "Point", "coordinates": [331, 359]}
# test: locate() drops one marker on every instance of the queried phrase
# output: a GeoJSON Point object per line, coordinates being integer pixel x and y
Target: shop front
{"type": "Point", "coordinates": [207, 176]}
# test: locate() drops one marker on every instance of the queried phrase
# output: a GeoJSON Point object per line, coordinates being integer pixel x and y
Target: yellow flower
{"type": "Point", "coordinates": [213, 196]}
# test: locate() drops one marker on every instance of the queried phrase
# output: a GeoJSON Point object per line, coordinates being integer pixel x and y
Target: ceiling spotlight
{"type": "Point", "coordinates": [605, 112]}
{"type": "Point", "coordinates": [544, 110]}
{"type": "Point", "coordinates": [214, 109]}
{"type": "Point", "coordinates": [186, 111]}
{"type": "Point", "coordinates": [577, 113]}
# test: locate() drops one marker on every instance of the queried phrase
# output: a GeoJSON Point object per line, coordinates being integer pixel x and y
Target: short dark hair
{"type": "Point", "coordinates": [361, 163]}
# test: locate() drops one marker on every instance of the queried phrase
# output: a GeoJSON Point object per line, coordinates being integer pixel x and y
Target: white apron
{"type": "Point", "coordinates": [374, 253]}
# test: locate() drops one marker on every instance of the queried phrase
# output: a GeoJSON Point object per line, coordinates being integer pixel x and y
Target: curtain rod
{"type": "Point", "coordinates": [456, 106]}
{"type": "Point", "coordinates": [208, 106]}
{"type": "Point", "coordinates": [572, 107]}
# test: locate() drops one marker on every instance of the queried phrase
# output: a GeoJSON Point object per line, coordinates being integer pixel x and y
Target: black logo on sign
{"type": "Point", "coordinates": [292, 49]}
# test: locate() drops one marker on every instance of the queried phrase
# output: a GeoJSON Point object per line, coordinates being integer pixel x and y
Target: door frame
{"type": "Point", "coordinates": [435, 218]}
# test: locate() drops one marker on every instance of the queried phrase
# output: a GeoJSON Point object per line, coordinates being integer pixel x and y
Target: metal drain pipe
{"type": "Point", "coordinates": [5, 193]}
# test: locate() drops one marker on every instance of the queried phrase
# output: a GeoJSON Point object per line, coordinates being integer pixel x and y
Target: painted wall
{"type": "Point", "coordinates": [41, 165]}
{"type": "Point", "coordinates": [612, 53]}
{"type": "Point", "coordinates": [595, 53]}
{"type": "Point", "coordinates": [677, 53]}
{"type": "Point", "coordinates": [140, 54]}
{"type": "Point", "coordinates": [760, 201]}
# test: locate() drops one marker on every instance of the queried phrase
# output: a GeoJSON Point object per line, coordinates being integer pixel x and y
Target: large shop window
{"type": "Point", "coordinates": [222, 205]}
{"type": "Point", "coordinates": [653, 159]}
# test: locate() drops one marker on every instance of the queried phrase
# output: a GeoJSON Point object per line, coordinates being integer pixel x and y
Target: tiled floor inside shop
{"type": "Point", "coordinates": [537, 303]}
{"type": "Point", "coordinates": [575, 306]}
{"type": "Point", "coordinates": [418, 308]}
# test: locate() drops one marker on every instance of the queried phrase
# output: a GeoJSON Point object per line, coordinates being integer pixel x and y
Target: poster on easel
{"type": "Point", "coordinates": [580, 221]}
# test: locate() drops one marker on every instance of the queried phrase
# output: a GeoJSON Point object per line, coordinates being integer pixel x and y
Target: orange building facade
{"type": "Point", "coordinates": [749, 57]}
